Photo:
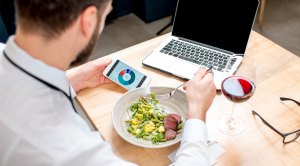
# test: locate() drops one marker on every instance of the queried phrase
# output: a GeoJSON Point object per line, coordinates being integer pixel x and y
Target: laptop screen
{"type": "Point", "coordinates": [224, 24]}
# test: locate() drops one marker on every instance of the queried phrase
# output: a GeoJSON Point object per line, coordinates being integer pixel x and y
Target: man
{"type": "Point", "coordinates": [38, 121]}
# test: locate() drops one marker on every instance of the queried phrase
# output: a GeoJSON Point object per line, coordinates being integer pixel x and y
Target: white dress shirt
{"type": "Point", "coordinates": [2, 47]}
{"type": "Point", "coordinates": [39, 126]}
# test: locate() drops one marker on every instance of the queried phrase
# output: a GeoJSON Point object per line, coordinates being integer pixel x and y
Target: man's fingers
{"type": "Point", "coordinates": [184, 86]}
{"type": "Point", "coordinates": [209, 78]}
{"type": "Point", "coordinates": [102, 62]}
{"type": "Point", "coordinates": [200, 73]}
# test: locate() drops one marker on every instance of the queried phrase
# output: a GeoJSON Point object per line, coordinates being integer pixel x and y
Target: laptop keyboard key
{"type": "Point", "coordinates": [198, 55]}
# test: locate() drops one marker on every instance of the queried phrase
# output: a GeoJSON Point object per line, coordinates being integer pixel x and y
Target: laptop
{"type": "Point", "coordinates": [206, 32]}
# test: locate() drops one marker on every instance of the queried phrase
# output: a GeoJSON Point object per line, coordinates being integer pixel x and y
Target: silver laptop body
{"type": "Point", "coordinates": [202, 38]}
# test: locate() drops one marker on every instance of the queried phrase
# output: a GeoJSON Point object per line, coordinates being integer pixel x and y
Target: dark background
{"type": "Point", "coordinates": [7, 19]}
{"type": "Point", "coordinates": [146, 10]}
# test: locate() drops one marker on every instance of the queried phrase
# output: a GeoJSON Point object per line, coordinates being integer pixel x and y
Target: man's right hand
{"type": "Point", "coordinates": [200, 92]}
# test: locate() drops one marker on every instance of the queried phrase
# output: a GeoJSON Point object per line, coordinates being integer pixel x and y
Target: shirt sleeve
{"type": "Point", "coordinates": [94, 153]}
{"type": "Point", "coordinates": [193, 148]}
{"type": "Point", "coordinates": [73, 93]}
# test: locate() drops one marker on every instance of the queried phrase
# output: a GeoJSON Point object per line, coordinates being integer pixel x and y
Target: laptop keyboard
{"type": "Point", "coordinates": [198, 55]}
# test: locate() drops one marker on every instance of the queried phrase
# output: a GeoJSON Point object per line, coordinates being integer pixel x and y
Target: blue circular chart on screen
{"type": "Point", "coordinates": [126, 77]}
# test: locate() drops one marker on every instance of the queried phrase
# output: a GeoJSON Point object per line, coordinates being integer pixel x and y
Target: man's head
{"type": "Point", "coordinates": [52, 18]}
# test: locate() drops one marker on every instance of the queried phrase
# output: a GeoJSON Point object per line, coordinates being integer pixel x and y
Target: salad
{"type": "Point", "coordinates": [149, 121]}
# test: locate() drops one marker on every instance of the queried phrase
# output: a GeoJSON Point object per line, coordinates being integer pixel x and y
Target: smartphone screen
{"type": "Point", "coordinates": [126, 75]}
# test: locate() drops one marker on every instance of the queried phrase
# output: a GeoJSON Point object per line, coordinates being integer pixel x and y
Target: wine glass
{"type": "Point", "coordinates": [237, 88]}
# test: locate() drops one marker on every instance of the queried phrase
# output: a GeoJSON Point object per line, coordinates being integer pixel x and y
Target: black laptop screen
{"type": "Point", "coordinates": [224, 24]}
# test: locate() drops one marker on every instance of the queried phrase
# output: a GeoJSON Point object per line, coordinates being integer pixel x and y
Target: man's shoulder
{"type": "Point", "coordinates": [2, 46]}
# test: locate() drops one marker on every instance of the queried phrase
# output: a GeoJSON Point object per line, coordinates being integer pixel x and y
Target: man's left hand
{"type": "Point", "coordinates": [88, 75]}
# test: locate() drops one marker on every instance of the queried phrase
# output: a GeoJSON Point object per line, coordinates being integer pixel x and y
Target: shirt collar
{"type": "Point", "coordinates": [36, 67]}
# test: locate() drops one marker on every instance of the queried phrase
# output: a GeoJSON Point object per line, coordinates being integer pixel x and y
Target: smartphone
{"type": "Point", "coordinates": [125, 75]}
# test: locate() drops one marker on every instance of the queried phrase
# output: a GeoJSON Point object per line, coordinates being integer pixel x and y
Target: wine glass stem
{"type": "Point", "coordinates": [232, 111]}
{"type": "Point", "coordinates": [231, 122]}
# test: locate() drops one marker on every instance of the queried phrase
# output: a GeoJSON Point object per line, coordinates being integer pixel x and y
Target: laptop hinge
{"type": "Point", "coordinates": [207, 46]}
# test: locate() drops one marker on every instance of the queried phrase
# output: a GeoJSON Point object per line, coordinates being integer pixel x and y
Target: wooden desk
{"type": "Point", "coordinates": [278, 75]}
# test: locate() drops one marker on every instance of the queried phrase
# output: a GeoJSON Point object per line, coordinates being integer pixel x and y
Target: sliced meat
{"type": "Point", "coordinates": [170, 123]}
{"type": "Point", "coordinates": [170, 134]}
{"type": "Point", "coordinates": [176, 117]}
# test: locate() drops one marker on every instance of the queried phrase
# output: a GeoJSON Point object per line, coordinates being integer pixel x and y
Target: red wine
{"type": "Point", "coordinates": [237, 88]}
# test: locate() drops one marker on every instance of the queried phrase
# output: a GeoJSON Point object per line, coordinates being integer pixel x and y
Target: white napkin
{"type": "Point", "coordinates": [214, 149]}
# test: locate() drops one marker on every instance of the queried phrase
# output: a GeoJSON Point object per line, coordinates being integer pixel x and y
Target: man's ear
{"type": "Point", "coordinates": [88, 21]}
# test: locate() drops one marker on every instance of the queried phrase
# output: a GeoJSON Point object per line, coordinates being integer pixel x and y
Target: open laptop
{"type": "Point", "coordinates": [206, 32]}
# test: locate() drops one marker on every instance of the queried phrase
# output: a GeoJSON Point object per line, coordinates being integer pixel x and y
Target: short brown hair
{"type": "Point", "coordinates": [50, 16]}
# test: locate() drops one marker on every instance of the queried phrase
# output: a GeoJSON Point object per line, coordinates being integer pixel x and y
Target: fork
{"type": "Point", "coordinates": [168, 95]}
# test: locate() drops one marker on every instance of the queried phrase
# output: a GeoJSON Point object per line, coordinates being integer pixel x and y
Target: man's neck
{"type": "Point", "coordinates": [54, 52]}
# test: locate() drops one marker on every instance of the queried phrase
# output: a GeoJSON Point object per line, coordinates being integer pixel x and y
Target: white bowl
{"type": "Point", "coordinates": [176, 104]}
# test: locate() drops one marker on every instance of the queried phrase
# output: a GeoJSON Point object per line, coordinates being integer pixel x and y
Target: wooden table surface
{"type": "Point", "coordinates": [278, 74]}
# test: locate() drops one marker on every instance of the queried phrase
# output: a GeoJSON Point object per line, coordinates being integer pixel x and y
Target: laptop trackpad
{"type": "Point", "coordinates": [183, 69]}
{"type": "Point", "coordinates": [160, 61]}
